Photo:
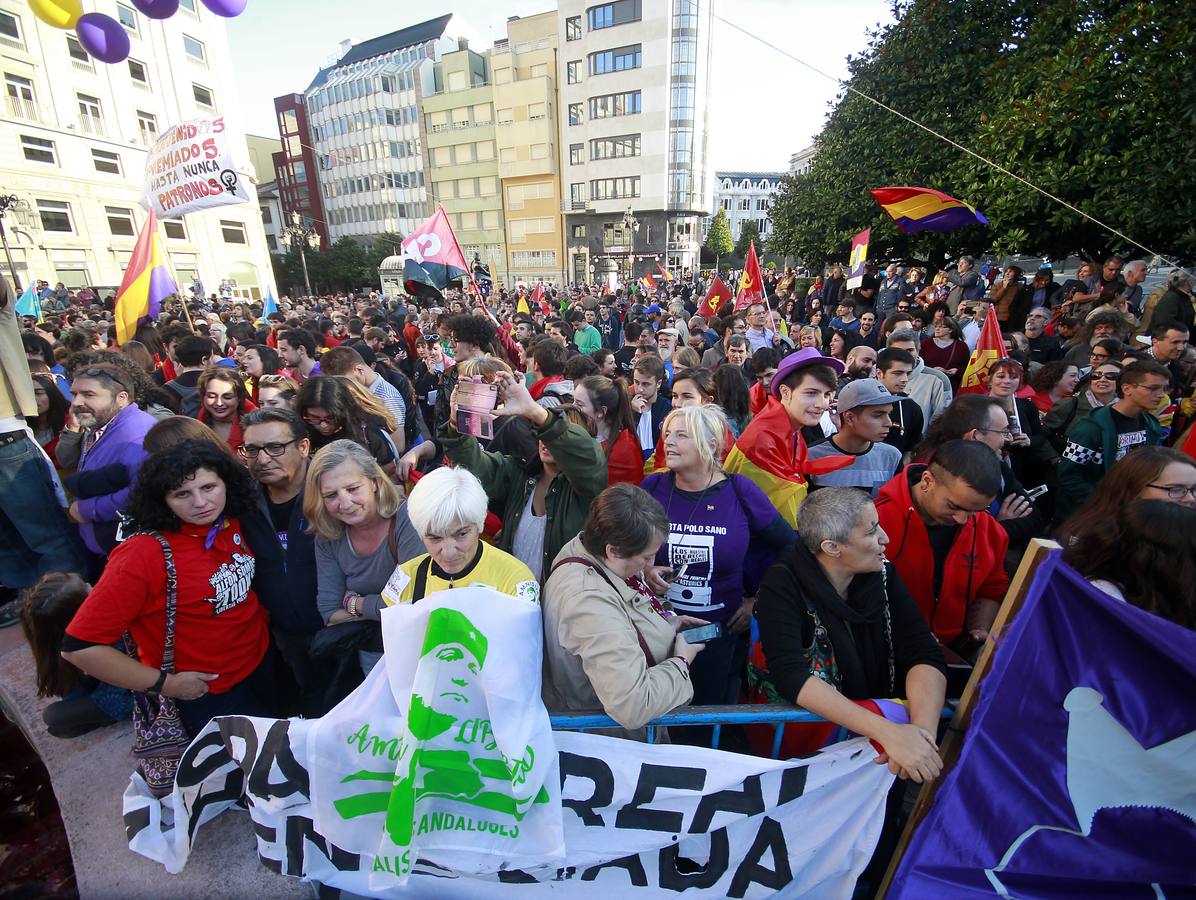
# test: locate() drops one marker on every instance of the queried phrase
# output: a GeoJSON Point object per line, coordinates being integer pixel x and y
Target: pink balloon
{"type": "Point", "coordinates": [226, 8]}
{"type": "Point", "coordinates": [102, 37]}
{"type": "Point", "coordinates": [157, 9]}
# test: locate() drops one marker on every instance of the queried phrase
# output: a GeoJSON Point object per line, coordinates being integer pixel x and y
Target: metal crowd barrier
{"type": "Point", "coordinates": [775, 714]}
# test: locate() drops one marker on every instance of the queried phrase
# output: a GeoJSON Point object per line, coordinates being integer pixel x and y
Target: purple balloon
{"type": "Point", "coordinates": [157, 9]}
{"type": "Point", "coordinates": [226, 8]}
{"type": "Point", "coordinates": [103, 37]}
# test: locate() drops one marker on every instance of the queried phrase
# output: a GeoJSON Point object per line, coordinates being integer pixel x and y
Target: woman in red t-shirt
{"type": "Point", "coordinates": [191, 494]}
{"type": "Point", "coordinates": [605, 401]}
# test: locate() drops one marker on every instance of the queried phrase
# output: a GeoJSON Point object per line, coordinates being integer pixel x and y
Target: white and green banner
{"type": "Point", "coordinates": [440, 776]}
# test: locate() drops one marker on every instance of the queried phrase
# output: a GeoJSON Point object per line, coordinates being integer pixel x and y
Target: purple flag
{"type": "Point", "coordinates": [1078, 773]}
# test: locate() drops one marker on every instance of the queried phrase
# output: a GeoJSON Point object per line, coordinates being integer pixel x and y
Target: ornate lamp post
{"type": "Point", "coordinates": [298, 235]}
{"type": "Point", "coordinates": [631, 227]}
{"type": "Point", "coordinates": [10, 202]}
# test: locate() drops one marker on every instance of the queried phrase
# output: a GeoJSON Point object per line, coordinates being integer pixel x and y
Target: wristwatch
{"type": "Point", "coordinates": [156, 687]}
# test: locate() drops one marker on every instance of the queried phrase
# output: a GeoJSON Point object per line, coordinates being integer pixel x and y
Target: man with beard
{"type": "Point", "coordinates": [114, 429]}
{"type": "Point", "coordinates": [1044, 348]}
{"type": "Point", "coordinates": [861, 362]}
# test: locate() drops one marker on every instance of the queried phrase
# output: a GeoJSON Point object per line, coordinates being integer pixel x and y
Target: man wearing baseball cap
{"type": "Point", "coordinates": [865, 406]}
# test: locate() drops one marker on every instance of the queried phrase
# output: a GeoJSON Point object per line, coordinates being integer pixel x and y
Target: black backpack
{"type": "Point", "coordinates": [188, 395]}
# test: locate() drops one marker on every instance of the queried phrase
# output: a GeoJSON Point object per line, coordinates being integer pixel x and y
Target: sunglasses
{"type": "Point", "coordinates": [1104, 376]}
{"type": "Point", "coordinates": [431, 338]}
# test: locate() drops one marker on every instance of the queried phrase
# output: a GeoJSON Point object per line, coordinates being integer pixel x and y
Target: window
{"type": "Point", "coordinates": [506, 116]}
{"type": "Point", "coordinates": [174, 229]}
{"type": "Point", "coordinates": [234, 232]}
{"type": "Point", "coordinates": [266, 218]}
{"type": "Point", "coordinates": [573, 28]}
{"type": "Point", "coordinates": [20, 97]}
{"type": "Point", "coordinates": [38, 149]}
{"type": "Point", "coordinates": [188, 5]}
{"type": "Point", "coordinates": [761, 204]}
{"type": "Point", "coordinates": [727, 204]}
{"type": "Point", "coordinates": [579, 231]}
{"type": "Point", "coordinates": [533, 259]}
{"type": "Point", "coordinates": [618, 60]}
{"type": "Point", "coordinates": [203, 96]}
{"type": "Point", "coordinates": [577, 154]}
{"type": "Point", "coordinates": [575, 113]}
{"type": "Point", "coordinates": [615, 147]}
{"type": "Point", "coordinates": [608, 105]}
{"type": "Point", "coordinates": [537, 111]}
{"type": "Point", "coordinates": [615, 188]}
{"type": "Point", "coordinates": [90, 114]}
{"type": "Point", "coordinates": [77, 53]}
{"type": "Point", "coordinates": [127, 17]}
{"type": "Point", "coordinates": [138, 73]}
{"type": "Point", "coordinates": [195, 49]}
{"type": "Point", "coordinates": [745, 204]}
{"type": "Point", "coordinates": [539, 151]}
{"type": "Point", "coordinates": [577, 194]}
{"type": "Point", "coordinates": [573, 71]}
{"type": "Point", "coordinates": [610, 14]}
{"type": "Point", "coordinates": [108, 163]}
{"type": "Point", "coordinates": [120, 221]}
{"type": "Point", "coordinates": [10, 30]}
{"type": "Point", "coordinates": [55, 216]}
{"type": "Point", "coordinates": [147, 125]}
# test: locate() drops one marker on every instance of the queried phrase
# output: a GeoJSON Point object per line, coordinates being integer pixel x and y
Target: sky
{"type": "Point", "coordinates": [765, 106]}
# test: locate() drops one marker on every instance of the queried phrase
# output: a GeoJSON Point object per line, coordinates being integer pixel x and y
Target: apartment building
{"type": "Point", "coordinates": [525, 97]}
{"type": "Point", "coordinates": [74, 134]}
{"type": "Point", "coordinates": [745, 196]}
{"type": "Point", "coordinates": [353, 142]}
{"type": "Point", "coordinates": [462, 156]}
{"type": "Point", "coordinates": [633, 78]}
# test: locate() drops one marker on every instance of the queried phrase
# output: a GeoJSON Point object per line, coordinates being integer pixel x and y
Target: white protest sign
{"type": "Point", "coordinates": [385, 797]}
{"type": "Point", "coordinates": [191, 167]}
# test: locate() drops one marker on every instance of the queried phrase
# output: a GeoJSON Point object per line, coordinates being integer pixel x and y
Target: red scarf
{"type": "Point", "coordinates": [537, 388]}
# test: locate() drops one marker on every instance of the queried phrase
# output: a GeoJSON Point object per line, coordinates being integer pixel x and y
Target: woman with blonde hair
{"type": "Point", "coordinates": [809, 336]}
{"type": "Point", "coordinates": [276, 392]}
{"type": "Point", "coordinates": [362, 533]}
{"type": "Point", "coordinates": [724, 532]}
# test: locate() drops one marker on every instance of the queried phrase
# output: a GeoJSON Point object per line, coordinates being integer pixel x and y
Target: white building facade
{"type": "Point", "coordinates": [802, 161]}
{"type": "Point", "coordinates": [366, 132]}
{"type": "Point", "coordinates": [633, 77]}
{"type": "Point", "coordinates": [745, 196]}
{"type": "Point", "coordinates": [74, 134]}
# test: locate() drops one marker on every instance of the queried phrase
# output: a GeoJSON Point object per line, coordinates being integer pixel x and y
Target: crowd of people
{"type": "Point", "coordinates": [218, 511]}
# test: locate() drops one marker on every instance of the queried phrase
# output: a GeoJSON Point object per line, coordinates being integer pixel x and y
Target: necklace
{"type": "Point", "coordinates": [694, 509]}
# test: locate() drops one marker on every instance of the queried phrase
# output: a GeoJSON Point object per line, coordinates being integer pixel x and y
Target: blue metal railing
{"type": "Point", "coordinates": [775, 714]}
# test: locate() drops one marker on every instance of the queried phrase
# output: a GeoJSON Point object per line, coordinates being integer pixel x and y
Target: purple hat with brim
{"type": "Point", "coordinates": [800, 360]}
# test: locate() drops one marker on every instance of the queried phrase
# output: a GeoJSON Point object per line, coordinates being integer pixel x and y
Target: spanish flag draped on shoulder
{"type": "Point", "coordinates": [772, 454]}
{"type": "Point", "coordinates": [989, 348]}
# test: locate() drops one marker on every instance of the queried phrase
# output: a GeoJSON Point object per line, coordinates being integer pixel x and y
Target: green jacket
{"type": "Point", "coordinates": [1090, 452]}
{"type": "Point", "coordinates": [582, 478]}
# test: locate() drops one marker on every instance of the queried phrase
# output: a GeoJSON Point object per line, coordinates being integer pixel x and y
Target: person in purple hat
{"type": "Point", "coordinates": [771, 450]}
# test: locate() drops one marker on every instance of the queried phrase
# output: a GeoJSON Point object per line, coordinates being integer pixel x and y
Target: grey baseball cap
{"type": "Point", "coordinates": [864, 392]}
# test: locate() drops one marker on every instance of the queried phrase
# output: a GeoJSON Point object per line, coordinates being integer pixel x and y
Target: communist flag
{"type": "Point", "coordinates": [773, 456]}
{"type": "Point", "coordinates": [989, 348]}
{"type": "Point", "coordinates": [718, 294]}
{"type": "Point", "coordinates": [916, 209]}
{"type": "Point", "coordinates": [146, 284]}
{"type": "Point", "coordinates": [751, 285]}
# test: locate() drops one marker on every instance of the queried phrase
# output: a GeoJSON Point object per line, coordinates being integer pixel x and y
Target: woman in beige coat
{"type": "Point", "coordinates": [609, 641]}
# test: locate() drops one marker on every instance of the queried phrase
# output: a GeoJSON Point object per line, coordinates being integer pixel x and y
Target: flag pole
{"type": "Point", "coordinates": [174, 276]}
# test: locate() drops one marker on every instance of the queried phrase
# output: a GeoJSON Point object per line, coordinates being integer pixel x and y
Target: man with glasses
{"type": "Point", "coordinates": [1109, 433]}
{"type": "Point", "coordinates": [1044, 348]}
{"type": "Point", "coordinates": [732, 326]}
{"type": "Point", "coordinates": [114, 431]}
{"type": "Point", "coordinates": [759, 335]}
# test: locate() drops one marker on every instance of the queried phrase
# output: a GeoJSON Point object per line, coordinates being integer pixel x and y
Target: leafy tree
{"type": "Point", "coordinates": [1090, 99]}
{"type": "Point", "coordinates": [749, 234]}
{"type": "Point", "coordinates": [718, 239]}
{"type": "Point", "coordinates": [349, 265]}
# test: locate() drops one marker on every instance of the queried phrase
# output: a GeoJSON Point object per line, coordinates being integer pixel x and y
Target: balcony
{"type": "Point", "coordinates": [568, 206]}
{"type": "Point", "coordinates": [92, 125]}
{"type": "Point", "coordinates": [83, 65]}
{"type": "Point", "coordinates": [23, 108]}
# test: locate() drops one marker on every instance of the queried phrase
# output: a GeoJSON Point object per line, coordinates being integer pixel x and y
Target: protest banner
{"type": "Point", "coordinates": [438, 776]}
{"type": "Point", "coordinates": [858, 259]}
{"type": "Point", "coordinates": [1092, 753]}
{"type": "Point", "coordinates": [191, 167]}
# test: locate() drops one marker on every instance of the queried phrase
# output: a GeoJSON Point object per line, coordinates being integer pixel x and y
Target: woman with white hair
{"type": "Point", "coordinates": [724, 533]}
{"type": "Point", "coordinates": [838, 627]}
{"type": "Point", "coordinates": [447, 509]}
{"type": "Point", "coordinates": [362, 532]}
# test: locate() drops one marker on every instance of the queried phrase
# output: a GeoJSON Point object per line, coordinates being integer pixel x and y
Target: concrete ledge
{"type": "Point", "coordinates": [89, 775]}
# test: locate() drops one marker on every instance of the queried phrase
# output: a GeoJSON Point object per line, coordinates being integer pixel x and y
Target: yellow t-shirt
{"type": "Point", "coordinates": [416, 578]}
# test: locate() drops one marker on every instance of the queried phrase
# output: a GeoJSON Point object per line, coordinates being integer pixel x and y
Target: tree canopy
{"type": "Point", "coordinates": [346, 265]}
{"type": "Point", "coordinates": [718, 239]}
{"type": "Point", "coordinates": [1091, 100]}
{"type": "Point", "coordinates": [748, 234]}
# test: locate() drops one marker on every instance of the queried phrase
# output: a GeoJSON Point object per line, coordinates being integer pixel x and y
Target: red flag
{"type": "Point", "coordinates": [432, 256]}
{"type": "Point", "coordinates": [989, 348]}
{"type": "Point", "coordinates": [537, 295]}
{"type": "Point", "coordinates": [751, 285]}
{"type": "Point", "coordinates": [718, 294]}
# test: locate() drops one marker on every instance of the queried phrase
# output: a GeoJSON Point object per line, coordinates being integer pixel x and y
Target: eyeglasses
{"type": "Point", "coordinates": [318, 420]}
{"type": "Point", "coordinates": [1003, 432]}
{"type": "Point", "coordinates": [274, 449]}
{"type": "Point", "coordinates": [1176, 492]}
{"type": "Point", "coordinates": [431, 338]}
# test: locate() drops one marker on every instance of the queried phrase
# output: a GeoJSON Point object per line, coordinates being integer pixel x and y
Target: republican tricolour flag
{"type": "Point", "coordinates": [664, 273]}
{"type": "Point", "coordinates": [30, 304]}
{"type": "Point", "coordinates": [751, 285]}
{"type": "Point", "coordinates": [859, 259]}
{"type": "Point", "coordinates": [146, 284]}
{"type": "Point", "coordinates": [989, 348]}
{"type": "Point", "coordinates": [648, 284]}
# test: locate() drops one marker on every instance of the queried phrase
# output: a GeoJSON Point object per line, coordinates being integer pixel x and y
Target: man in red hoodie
{"type": "Point", "coordinates": [947, 548]}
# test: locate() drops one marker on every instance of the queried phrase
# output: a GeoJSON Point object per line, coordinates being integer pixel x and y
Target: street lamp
{"type": "Point", "coordinates": [298, 235]}
{"type": "Point", "coordinates": [631, 227]}
{"type": "Point", "coordinates": [13, 202]}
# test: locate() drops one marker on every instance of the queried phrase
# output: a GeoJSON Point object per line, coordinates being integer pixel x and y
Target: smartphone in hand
{"type": "Point", "coordinates": [703, 633]}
